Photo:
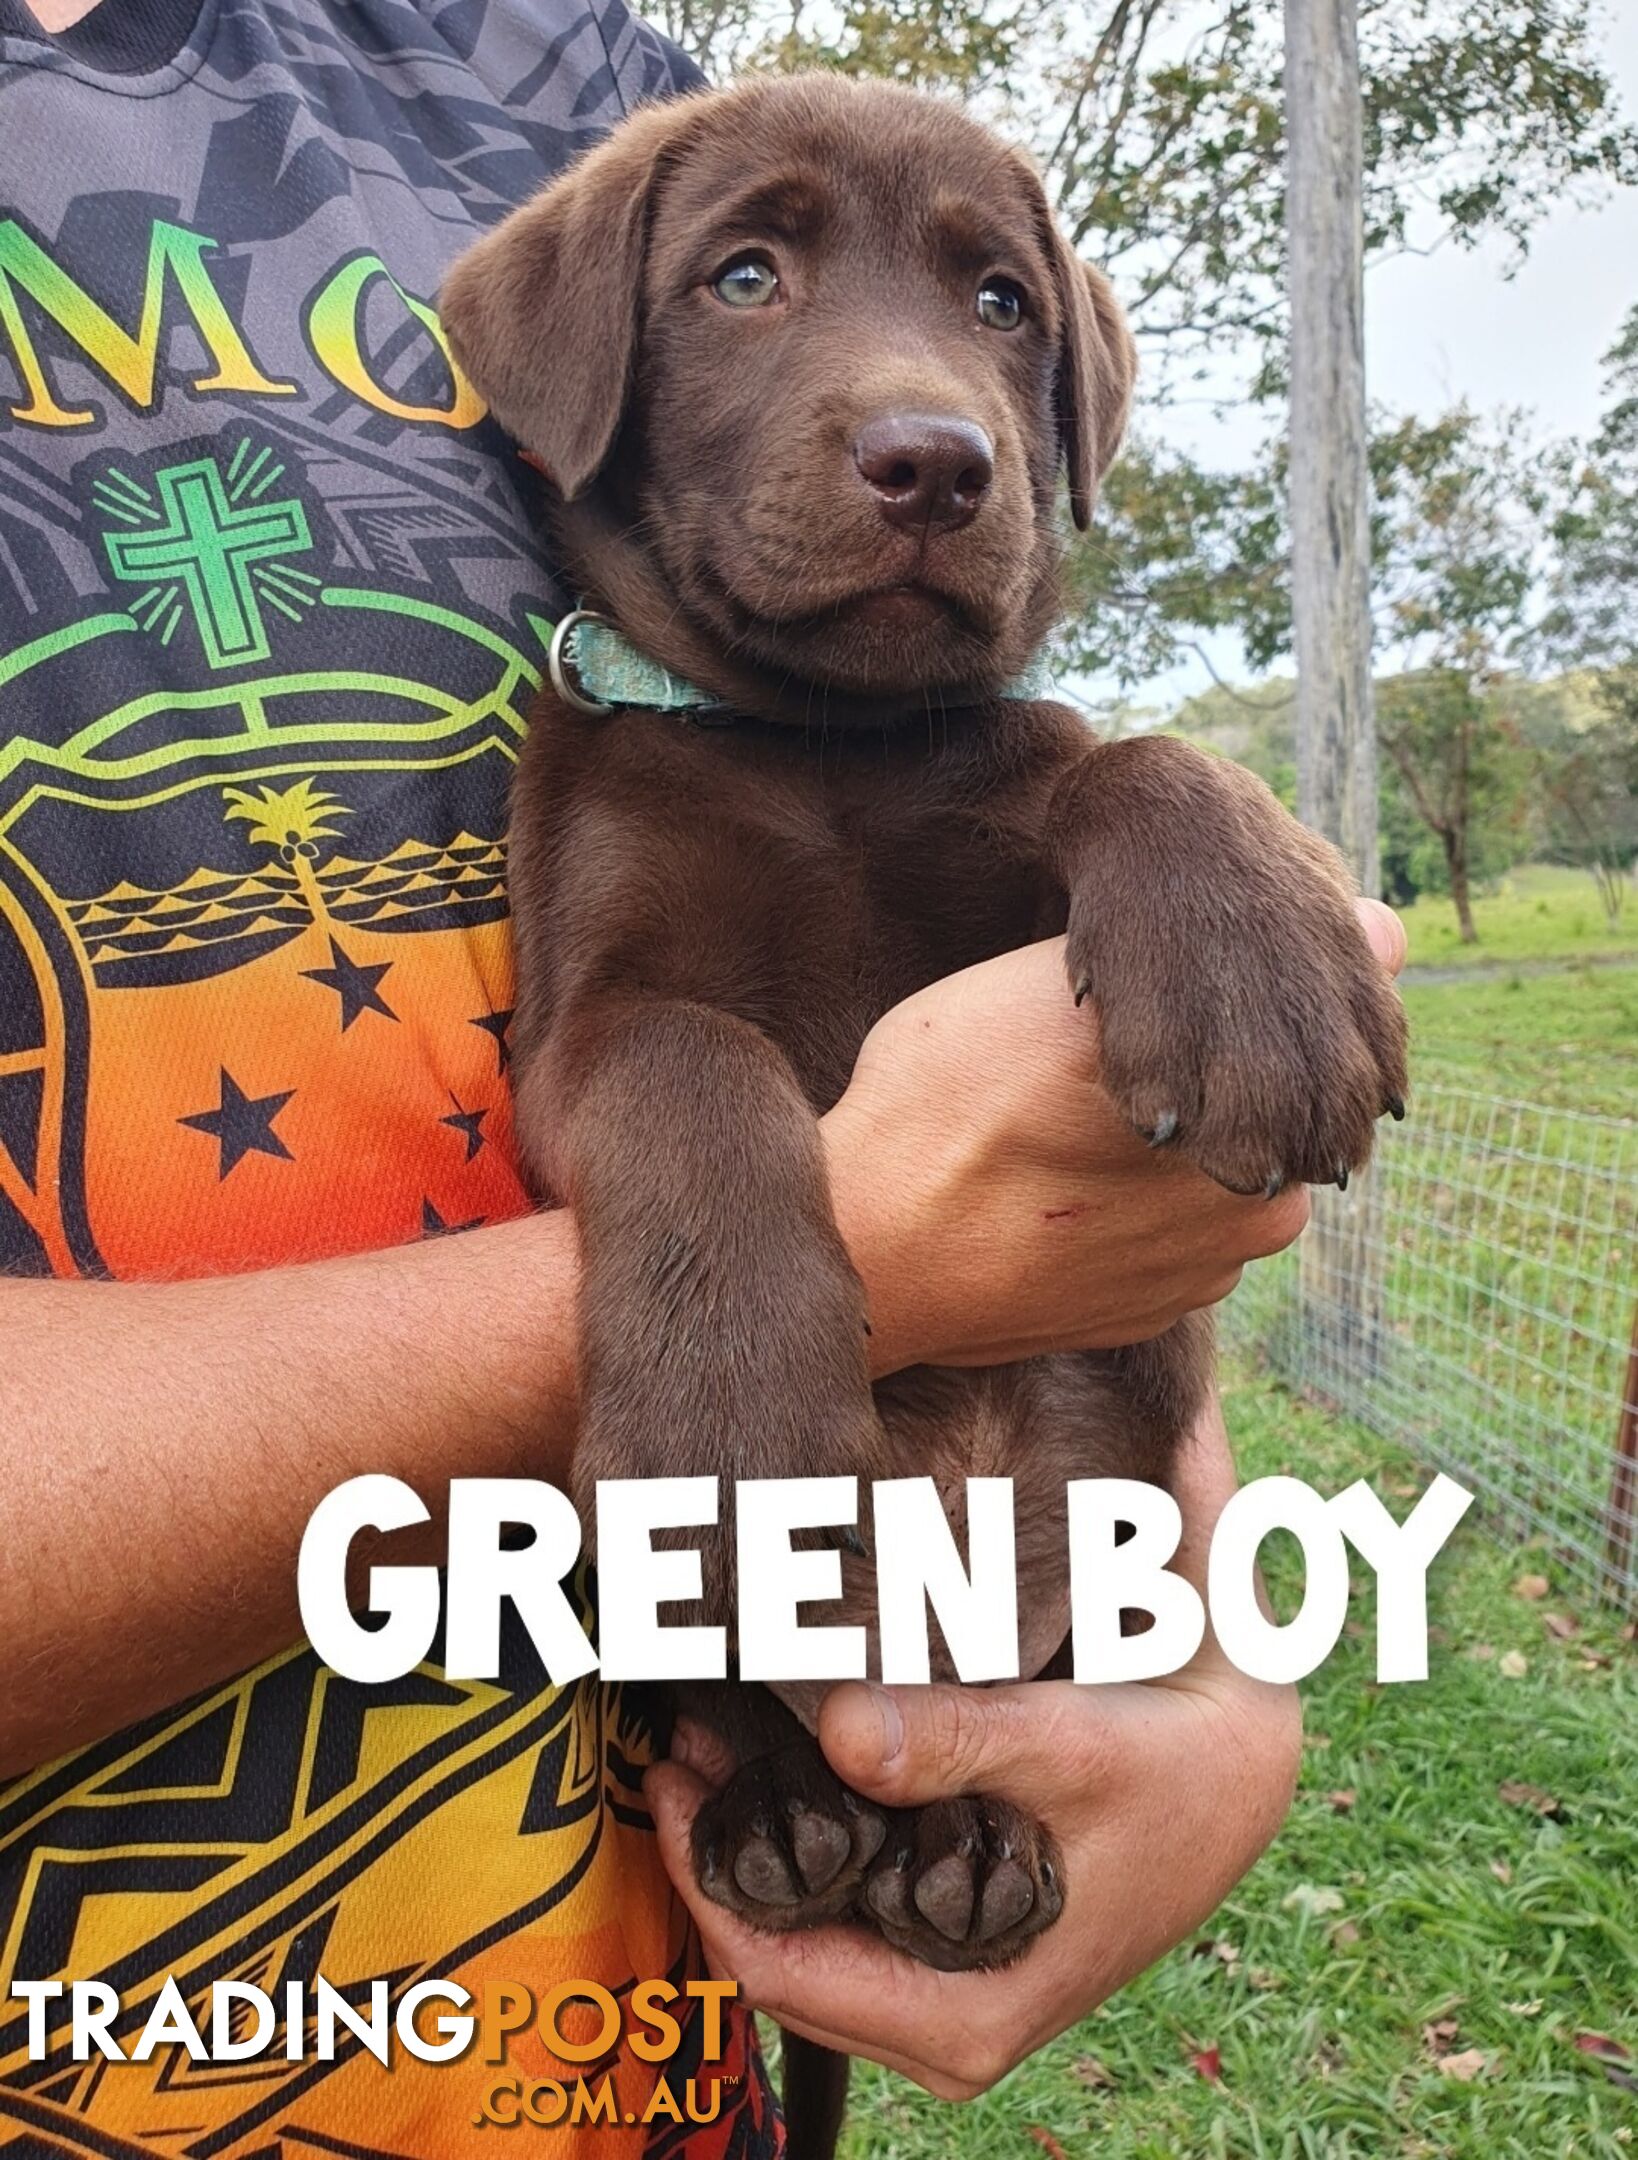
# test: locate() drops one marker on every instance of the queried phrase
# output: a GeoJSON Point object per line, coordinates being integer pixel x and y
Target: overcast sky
{"type": "Point", "coordinates": [1452, 325]}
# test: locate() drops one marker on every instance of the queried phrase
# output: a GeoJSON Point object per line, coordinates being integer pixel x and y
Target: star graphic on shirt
{"type": "Point", "coordinates": [354, 985]}
{"type": "Point", "coordinates": [433, 1224]}
{"type": "Point", "coordinates": [242, 1124]}
{"type": "Point", "coordinates": [496, 1024]}
{"type": "Point", "coordinates": [467, 1122]}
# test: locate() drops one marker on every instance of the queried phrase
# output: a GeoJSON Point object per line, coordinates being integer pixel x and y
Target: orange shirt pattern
{"type": "Point", "coordinates": [271, 619]}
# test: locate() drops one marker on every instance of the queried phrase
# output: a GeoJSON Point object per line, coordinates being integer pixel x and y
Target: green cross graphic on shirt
{"type": "Point", "coordinates": [199, 537]}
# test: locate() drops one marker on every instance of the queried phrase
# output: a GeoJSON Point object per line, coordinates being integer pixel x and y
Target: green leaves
{"type": "Point", "coordinates": [1176, 550]}
{"type": "Point", "coordinates": [960, 46]}
{"type": "Point", "coordinates": [1588, 764]}
{"type": "Point", "coordinates": [1160, 126]}
{"type": "Point", "coordinates": [1457, 534]}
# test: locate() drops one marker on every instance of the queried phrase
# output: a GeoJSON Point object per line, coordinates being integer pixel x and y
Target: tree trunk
{"type": "Point", "coordinates": [1330, 476]}
{"type": "Point", "coordinates": [1340, 1267]}
{"type": "Point", "coordinates": [1455, 844]}
{"type": "Point", "coordinates": [1611, 882]}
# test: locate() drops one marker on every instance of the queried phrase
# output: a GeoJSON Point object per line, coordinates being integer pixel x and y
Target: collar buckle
{"type": "Point", "coordinates": [557, 657]}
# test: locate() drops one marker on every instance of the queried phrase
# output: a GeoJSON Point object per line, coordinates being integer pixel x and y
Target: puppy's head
{"type": "Point", "coordinates": [803, 360]}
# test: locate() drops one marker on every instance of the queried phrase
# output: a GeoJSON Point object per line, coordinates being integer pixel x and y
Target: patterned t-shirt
{"type": "Point", "coordinates": [271, 616]}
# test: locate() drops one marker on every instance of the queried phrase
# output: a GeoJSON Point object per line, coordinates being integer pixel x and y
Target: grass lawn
{"type": "Point", "coordinates": [1429, 1917]}
{"type": "Point", "coordinates": [1567, 1039]}
{"type": "Point", "coordinates": [1537, 913]}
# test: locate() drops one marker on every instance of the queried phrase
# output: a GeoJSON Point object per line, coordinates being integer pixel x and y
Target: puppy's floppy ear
{"type": "Point", "coordinates": [1097, 363]}
{"type": "Point", "coordinates": [543, 314]}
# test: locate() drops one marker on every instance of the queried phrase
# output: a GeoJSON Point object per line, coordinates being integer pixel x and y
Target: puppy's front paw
{"type": "Point", "coordinates": [785, 1844]}
{"type": "Point", "coordinates": [1243, 1017]}
{"type": "Point", "coordinates": [965, 1885]}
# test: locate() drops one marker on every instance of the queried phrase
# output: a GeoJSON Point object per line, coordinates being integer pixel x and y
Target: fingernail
{"type": "Point", "coordinates": [891, 1721]}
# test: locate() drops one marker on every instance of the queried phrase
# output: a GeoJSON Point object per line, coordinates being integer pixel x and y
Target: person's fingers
{"type": "Point", "coordinates": [847, 1990]}
{"type": "Point", "coordinates": [1389, 940]}
{"type": "Point", "coordinates": [942, 2081]}
{"type": "Point", "coordinates": [676, 1794]}
{"type": "Point", "coordinates": [699, 1749]}
{"type": "Point", "coordinates": [912, 1744]}
{"type": "Point", "coordinates": [1279, 1222]}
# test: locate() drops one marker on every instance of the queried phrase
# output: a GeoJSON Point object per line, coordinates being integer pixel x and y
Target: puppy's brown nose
{"type": "Point", "coordinates": [926, 470]}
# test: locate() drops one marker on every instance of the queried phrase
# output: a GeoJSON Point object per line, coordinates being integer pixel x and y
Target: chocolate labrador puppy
{"type": "Point", "coordinates": [803, 361]}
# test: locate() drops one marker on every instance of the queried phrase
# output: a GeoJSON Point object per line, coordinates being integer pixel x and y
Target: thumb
{"type": "Point", "coordinates": [914, 1744]}
{"type": "Point", "coordinates": [1385, 932]}
{"type": "Point", "coordinates": [675, 1795]}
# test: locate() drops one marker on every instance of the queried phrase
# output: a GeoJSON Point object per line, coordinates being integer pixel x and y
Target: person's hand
{"type": "Point", "coordinates": [1160, 1795]}
{"type": "Point", "coordinates": [996, 1203]}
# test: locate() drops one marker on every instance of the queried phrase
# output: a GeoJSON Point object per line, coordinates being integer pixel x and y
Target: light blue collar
{"type": "Point", "coordinates": [595, 668]}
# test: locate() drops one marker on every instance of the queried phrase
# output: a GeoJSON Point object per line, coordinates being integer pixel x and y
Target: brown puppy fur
{"type": "Point", "coordinates": [710, 917]}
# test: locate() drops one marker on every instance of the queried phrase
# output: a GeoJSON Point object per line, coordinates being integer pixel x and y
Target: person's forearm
{"type": "Point", "coordinates": [165, 1443]}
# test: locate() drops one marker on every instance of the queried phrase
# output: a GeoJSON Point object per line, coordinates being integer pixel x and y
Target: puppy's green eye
{"type": "Point", "coordinates": [748, 281]}
{"type": "Point", "coordinates": [1000, 304]}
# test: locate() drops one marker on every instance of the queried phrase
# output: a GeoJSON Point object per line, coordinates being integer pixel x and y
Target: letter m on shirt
{"type": "Point", "coordinates": [33, 285]}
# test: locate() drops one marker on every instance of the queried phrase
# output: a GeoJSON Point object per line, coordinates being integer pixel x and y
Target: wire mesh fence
{"type": "Point", "coordinates": [1476, 1299]}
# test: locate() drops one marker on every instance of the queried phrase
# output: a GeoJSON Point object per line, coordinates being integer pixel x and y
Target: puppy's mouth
{"type": "Point", "coordinates": [903, 604]}
{"type": "Point", "coordinates": [854, 613]}
{"type": "Point", "coordinates": [896, 607]}
{"type": "Point", "coordinates": [871, 640]}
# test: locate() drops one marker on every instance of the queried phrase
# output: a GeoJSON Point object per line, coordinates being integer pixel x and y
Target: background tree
{"type": "Point", "coordinates": [1457, 550]}
{"type": "Point", "coordinates": [1587, 756]}
{"type": "Point", "coordinates": [1462, 769]}
{"type": "Point", "coordinates": [1159, 126]}
{"type": "Point", "coordinates": [1457, 544]}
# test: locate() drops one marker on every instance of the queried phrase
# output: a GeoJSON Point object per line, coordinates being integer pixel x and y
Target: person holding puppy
{"type": "Point", "coordinates": [270, 620]}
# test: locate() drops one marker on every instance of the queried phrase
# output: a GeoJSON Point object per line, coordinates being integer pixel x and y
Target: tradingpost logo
{"type": "Point", "coordinates": [574, 2056]}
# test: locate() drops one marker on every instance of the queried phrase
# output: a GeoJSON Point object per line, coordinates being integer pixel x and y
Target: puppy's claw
{"type": "Point", "coordinates": [1342, 1177]}
{"type": "Point", "coordinates": [1163, 1129]}
{"type": "Point", "coordinates": [1081, 989]}
{"type": "Point", "coordinates": [1275, 1186]}
{"type": "Point", "coordinates": [1395, 1107]}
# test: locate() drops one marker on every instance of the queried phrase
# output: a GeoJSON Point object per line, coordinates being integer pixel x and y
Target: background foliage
{"type": "Point", "coordinates": [1507, 566]}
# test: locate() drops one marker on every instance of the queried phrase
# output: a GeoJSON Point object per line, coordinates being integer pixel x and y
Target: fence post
{"type": "Point", "coordinates": [1330, 575]}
